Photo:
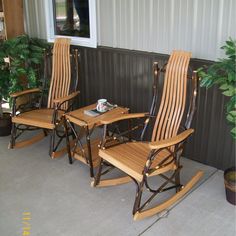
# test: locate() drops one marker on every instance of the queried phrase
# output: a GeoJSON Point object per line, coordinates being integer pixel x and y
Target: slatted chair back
{"type": "Point", "coordinates": [173, 99]}
{"type": "Point", "coordinates": [61, 71]}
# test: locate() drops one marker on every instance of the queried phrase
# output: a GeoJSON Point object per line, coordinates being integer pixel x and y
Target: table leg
{"type": "Point", "coordinates": [89, 152]}
{"type": "Point", "coordinates": [68, 141]}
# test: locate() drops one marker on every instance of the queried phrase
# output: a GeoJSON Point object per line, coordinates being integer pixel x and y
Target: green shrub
{"type": "Point", "coordinates": [223, 74]}
{"type": "Point", "coordinates": [25, 55]}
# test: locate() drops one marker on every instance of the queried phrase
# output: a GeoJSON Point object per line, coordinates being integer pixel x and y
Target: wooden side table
{"type": "Point", "coordinates": [87, 153]}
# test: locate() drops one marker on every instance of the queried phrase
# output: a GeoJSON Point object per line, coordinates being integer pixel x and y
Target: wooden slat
{"type": "Point", "coordinates": [109, 120]}
{"type": "Point", "coordinates": [67, 72]}
{"type": "Point", "coordinates": [78, 117]}
{"type": "Point", "coordinates": [173, 98]}
{"type": "Point", "coordinates": [61, 71]}
{"type": "Point", "coordinates": [176, 96]}
{"type": "Point", "coordinates": [28, 91]}
{"type": "Point", "coordinates": [182, 101]}
{"type": "Point", "coordinates": [171, 141]}
{"type": "Point", "coordinates": [63, 99]}
{"type": "Point", "coordinates": [54, 66]}
{"type": "Point", "coordinates": [39, 118]}
{"type": "Point", "coordinates": [132, 157]}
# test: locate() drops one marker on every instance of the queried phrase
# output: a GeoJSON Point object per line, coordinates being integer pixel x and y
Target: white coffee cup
{"type": "Point", "coordinates": [102, 105]}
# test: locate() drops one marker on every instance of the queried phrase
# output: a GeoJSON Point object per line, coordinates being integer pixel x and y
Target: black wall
{"type": "Point", "coordinates": [125, 77]}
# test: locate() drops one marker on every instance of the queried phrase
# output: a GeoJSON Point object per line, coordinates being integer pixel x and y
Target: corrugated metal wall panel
{"type": "Point", "coordinates": [200, 26]}
{"type": "Point", "coordinates": [125, 77]}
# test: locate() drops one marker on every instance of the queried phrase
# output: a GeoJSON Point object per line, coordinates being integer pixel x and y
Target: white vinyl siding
{"type": "Point", "coordinates": [199, 26]}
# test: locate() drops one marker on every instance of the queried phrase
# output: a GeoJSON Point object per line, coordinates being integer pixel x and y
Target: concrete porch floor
{"type": "Point", "coordinates": [61, 201]}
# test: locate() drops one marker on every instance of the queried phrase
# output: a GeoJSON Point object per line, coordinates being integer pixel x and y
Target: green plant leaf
{"type": "Point", "coordinates": [224, 86]}
{"type": "Point", "coordinates": [228, 93]}
{"type": "Point", "coordinates": [233, 132]}
{"type": "Point", "coordinates": [223, 74]}
{"type": "Point", "coordinates": [206, 82]}
{"type": "Point", "coordinates": [231, 76]}
{"type": "Point", "coordinates": [36, 60]}
{"type": "Point", "coordinates": [21, 70]}
{"type": "Point", "coordinates": [26, 55]}
{"type": "Point", "coordinates": [232, 113]}
{"type": "Point", "coordinates": [230, 118]}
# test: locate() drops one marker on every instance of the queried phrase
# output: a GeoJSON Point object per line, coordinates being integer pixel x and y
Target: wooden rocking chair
{"type": "Point", "coordinates": [140, 160]}
{"type": "Point", "coordinates": [60, 100]}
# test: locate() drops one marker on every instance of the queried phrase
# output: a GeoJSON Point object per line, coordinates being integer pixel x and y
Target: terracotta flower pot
{"type": "Point", "coordinates": [230, 185]}
{"type": "Point", "coordinates": [5, 124]}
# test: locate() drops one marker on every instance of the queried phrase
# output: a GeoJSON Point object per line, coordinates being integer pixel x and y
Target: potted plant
{"type": "Point", "coordinates": [5, 119]}
{"type": "Point", "coordinates": [25, 56]}
{"type": "Point", "coordinates": [223, 74]}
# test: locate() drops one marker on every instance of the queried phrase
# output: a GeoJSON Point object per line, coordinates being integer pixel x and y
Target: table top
{"type": "Point", "coordinates": [79, 118]}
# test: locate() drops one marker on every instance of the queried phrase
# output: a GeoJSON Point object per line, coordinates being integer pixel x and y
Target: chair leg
{"type": "Point", "coordinates": [141, 214]}
{"type": "Point", "coordinates": [52, 142]}
{"type": "Point", "coordinates": [138, 196]}
{"type": "Point", "coordinates": [13, 136]}
{"type": "Point", "coordinates": [23, 143]}
{"type": "Point", "coordinates": [55, 143]}
{"type": "Point", "coordinates": [89, 152]}
{"type": "Point", "coordinates": [97, 182]}
{"type": "Point", "coordinates": [98, 175]}
{"type": "Point", "coordinates": [177, 181]}
{"type": "Point", "coordinates": [45, 132]}
{"type": "Point", "coordinates": [68, 142]}
{"type": "Point", "coordinates": [73, 134]}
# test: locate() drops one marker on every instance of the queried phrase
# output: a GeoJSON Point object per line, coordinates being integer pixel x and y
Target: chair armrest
{"type": "Point", "coordinates": [66, 98]}
{"type": "Point", "coordinates": [171, 141]}
{"type": "Point", "coordinates": [28, 91]}
{"type": "Point", "coordinates": [110, 120]}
